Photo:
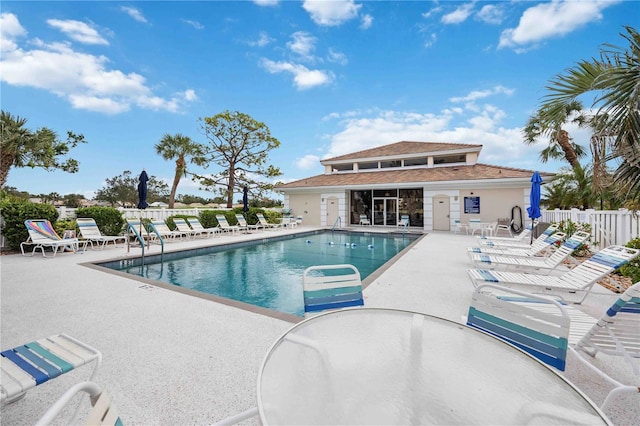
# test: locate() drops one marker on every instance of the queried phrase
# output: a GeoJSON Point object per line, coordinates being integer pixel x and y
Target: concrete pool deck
{"type": "Point", "coordinates": [171, 358]}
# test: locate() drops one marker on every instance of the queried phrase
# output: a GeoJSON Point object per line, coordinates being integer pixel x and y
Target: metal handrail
{"type": "Point", "coordinates": [339, 219]}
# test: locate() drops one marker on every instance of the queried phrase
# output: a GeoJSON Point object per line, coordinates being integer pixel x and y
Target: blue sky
{"type": "Point", "coordinates": [327, 77]}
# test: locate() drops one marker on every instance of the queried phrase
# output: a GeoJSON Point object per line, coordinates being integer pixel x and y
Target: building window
{"type": "Point", "coordinates": [388, 164]}
{"type": "Point", "coordinates": [342, 167]}
{"type": "Point", "coordinates": [367, 166]}
{"type": "Point", "coordinates": [416, 162]}
{"type": "Point", "coordinates": [411, 203]}
{"type": "Point", "coordinates": [450, 159]}
{"type": "Point", "coordinates": [360, 205]}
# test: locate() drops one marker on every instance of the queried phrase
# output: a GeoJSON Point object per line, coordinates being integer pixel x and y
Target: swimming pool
{"type": "Point", "coordinates": [266, 272]}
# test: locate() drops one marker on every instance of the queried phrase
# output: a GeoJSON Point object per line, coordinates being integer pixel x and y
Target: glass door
{"type": "Point", "coordinates": [385, 211]}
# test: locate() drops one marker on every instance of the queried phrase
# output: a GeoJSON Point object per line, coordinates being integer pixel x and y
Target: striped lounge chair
{"type": "Point", "coordinates": [542, 265]}
{"type": "Point", "coordinates": [42, 235]}
{"type": "Point", "coordinates": [538, 247]}
{"type": "Point", "coordinates": [578, 280]}
{"type": "Point", "coordinates": [503, 242]}
{"type": "Point", "coordinates": [90, 233]}
{"type": "Point", "coordinates": [27, 366]}
{"type": "Point", "coordinates": [329, 287]}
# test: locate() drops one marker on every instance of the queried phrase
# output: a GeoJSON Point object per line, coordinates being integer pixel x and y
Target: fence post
{"type": "Point", "coordinates": [623, 225]}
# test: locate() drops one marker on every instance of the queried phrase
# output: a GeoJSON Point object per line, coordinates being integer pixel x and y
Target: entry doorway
{"type": "Point", "coordinates": [385, 211]}
{"type": "Point", "coordinates": [332, 210]}
{"type": "Point", "coordinates": [441, 214]}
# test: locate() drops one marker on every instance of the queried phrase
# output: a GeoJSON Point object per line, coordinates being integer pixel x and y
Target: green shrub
{"type": "Point", "coordinates": [65, 224]}
{"type": "Point", "coordinates": [272, 216]}
{"type": "Point", "coordinates": [632, 269]}
{"type": "Point", "coordinates": [15, 212]}
{"type": "Point", "coordinates": [108, 219]}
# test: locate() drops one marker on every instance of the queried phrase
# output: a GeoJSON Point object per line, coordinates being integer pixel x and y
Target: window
{"type": "Point", "coordinates": [450, 159]}
{"type": "Point", "coordinates": [366, 166]}
{"type": "Point", "coordinates": [387, 164]}
{"type": "Point", "coordinates": [415, 162]}
{"type": "Point", "coordinates": [342, 167]}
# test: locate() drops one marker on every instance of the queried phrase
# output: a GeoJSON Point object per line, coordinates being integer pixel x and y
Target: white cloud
{"type": "Point", "coordinates": [10, 29]}
{"type": "Point", "coordinates": [195, 24]}
{"type": "Point", "coordinates": [263, 40]}
{"type": "Point", "coordinates": [337, 57]}
{"type": "Point", "coordinates": [331, 13]}
{"type": "Point", "coordinates": [459, 15]}
{"type": "Point", "coordinates": [491, 14]}
{"type": "Point", "coordinates": [480, 94]}
{"type": "Point", "coordinates": [308, 162]}
{"type": "Point", "coordinates": [84, 80]}
{"type": "Point", "coordinates": [554, 19]}
{"type": "Point", "coordinates": [78, 31]}
{"type": "Point", "coordinates": [431, 40]}
{"type": "Point", "coordinates": [134, 13]}
{"type": "Point", "coordinates": [303, 77]}
{"type": "Point", "coordinates": [359, 130]}
{"type": "Point", "coordinates": [302, 44]}
{"type": "Point", "coordinates": [366, 21]}
{"type": "Point", "coordinates": [266, 2]}
{"type": "Point", "coordinates": [432, 12]}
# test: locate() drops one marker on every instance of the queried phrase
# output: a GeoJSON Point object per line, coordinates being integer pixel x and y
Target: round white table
{"type": "Point", "coordinates": [388, 367]}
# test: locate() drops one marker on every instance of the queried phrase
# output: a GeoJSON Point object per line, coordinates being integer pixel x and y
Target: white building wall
{"type": "Point", "coordinates": [454, 206]}
{"type": "Point", "coordinates": [342, 208]}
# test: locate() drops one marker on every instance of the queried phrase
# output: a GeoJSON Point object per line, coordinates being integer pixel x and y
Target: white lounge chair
{"type": "Point", "coordinates": [324, 290]}
{"type": "Point", "coordinates": [244, 224]}
{"type": "Point", "coordinates": [42, 235]}
{"type": "Point", "coordinates": [102, 411]}
{"type": "Point", "coordinates": [161, 229]}
{"type": "Point", "coordinates": [263, 221]}
{"type": "Point", "coordinates": [578, 280]}
{"type": "Point", "coordinates": [616, 333]}
{"type": "Point", "coordinates": [538, 247]}
{"type": "Point", "coordinates": [224, 224]}
{"type": "Point", "coordinates": [500, 242]}
{"type": "Point", "coordinates": [541, 334]}
{"type": "Point", "coordinates": [537, 264]}
{"type": "Point", "coordinates": [364, 220]}
{"type": "Point", "coordinates": [90, 232]}
{"type": "Point", "coordinates": [197, 226]}
{"type": "Point", "coordinates": [183, 226]}
{"type": "Point", "coordinates": [404, 221]}
{"type": "Point", "coordinates": [27, 366]}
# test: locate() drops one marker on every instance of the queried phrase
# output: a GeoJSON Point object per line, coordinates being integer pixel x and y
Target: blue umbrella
{"type": "Point", "coordinates": [245, 200]}
{"type": "Point", "coordinates": [142, 190]}
{"type": "Point", "coordinates": [534, 198]}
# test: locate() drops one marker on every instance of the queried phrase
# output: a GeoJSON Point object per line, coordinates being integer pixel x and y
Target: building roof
{"type": "Point", "coordinates": [404, 148]}
{"type": "Point", "coordinates": [477, 171]}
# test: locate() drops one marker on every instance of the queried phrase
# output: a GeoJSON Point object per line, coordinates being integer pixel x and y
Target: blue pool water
{"type": "Point", "coordinates": [267, 273]}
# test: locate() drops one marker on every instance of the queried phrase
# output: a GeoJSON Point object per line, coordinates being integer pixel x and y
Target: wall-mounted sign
{"type": "Point", "coordinates": [472, 205]}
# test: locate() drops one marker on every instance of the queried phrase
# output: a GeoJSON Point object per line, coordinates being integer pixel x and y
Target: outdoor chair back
{"type": "Point", "coordinates": [329, 287]}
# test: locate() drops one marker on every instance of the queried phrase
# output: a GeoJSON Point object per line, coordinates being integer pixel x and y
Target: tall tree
{"type": "Point", "coordinates": [549, 122]}
{"type": "Point", "coordinates": [240, 145]}
{"type": "Point", "coordinates": [177, 147]}
{"type": "Point", "coordinates": [21, 147]}
{"type": "Point", "coordinates": [613, 79]}
{"type": "Point", "coordinates": [122, 190]}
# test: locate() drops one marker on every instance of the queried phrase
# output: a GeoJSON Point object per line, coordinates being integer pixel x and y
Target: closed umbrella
{"type": "Point", "coordinates": [534, 199]}
{"type": "Point", "coordinates": [245, 200]}
{"type": "Point", "coordinates": [142, 190]}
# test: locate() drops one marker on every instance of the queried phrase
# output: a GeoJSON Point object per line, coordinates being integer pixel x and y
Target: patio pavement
{"type": "Point", "coordinates": [170, 358]}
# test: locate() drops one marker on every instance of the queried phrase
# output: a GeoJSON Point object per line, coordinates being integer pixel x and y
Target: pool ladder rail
{"type": "Point", "coordinates": [136, 228]}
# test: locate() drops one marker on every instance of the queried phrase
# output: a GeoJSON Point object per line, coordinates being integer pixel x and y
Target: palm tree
{"type": "Point", "coordinates": [614, 79]}
{"type": "Point", "coordinates": [549, 122]}
{"type": "Point", "coordinates": [14, 137]}
{"type": "Point", "coordinates": [177, 147]}
{"type": "Point", "coordinates": [21, 147]}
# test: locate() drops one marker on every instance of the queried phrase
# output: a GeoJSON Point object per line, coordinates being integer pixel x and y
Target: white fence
{"type": "Point", "coordinates": [607, 226]}
{"type": "Point", "coordinates": [151, 213]}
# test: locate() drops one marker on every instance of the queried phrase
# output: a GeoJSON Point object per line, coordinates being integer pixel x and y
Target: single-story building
{"type": "Point", "coordinates": [434, 184]}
